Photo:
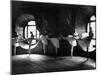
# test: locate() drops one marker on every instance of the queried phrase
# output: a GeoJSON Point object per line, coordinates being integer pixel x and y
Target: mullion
{"type": "Point", "coordinates": [27, 31]}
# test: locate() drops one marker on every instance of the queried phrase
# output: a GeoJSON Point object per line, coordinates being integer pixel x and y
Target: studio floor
{"type": "Point", "coordinates": [36, 63]}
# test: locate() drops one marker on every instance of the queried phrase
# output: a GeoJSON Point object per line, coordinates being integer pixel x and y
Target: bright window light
{"type": "Point", "coordinates": [88, 28]}
{"type": "Point", "coordinates": [31, 28]}
{"type": "Point", "coordinates": [31, 23]}
{"type": "Point", "coordinates": [92, 24]}
{"type": "Point", "coordinates": [92, 18]}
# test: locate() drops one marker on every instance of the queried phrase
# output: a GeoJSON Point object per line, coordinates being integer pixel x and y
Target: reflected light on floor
{"type": "Point", "coordinates": [90, 63]}
{"type": "Point", "coordinates": [36, 63]}
{"type": "Point", "coordinates": [32, 57]}
{"type": "Point", "coordinates": [66, 60]}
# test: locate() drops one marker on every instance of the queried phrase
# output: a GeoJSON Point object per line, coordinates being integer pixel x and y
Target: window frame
{"type": "Point", "coordinates": [26, 33]}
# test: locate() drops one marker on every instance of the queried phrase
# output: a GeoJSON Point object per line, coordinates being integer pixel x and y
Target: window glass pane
{"type": "Point", "coordinates": [31, 23]}
{"type": "Point", "coordinates": [33, 41]}
{"type": "Point", "coordinates": [92, 18]}
{"type": "Point", "coordinates": [38, 34]}
{"type": "Point", "coordinates": [34, 31]}
{"type": "Point", "coordinates": [30, 29]}
{"type": "Point", "coordinates": [92, 24]}
{"type": "Point", "coordinates": [26, 32]}
{"type": "Point", "coordinates": [88, 28]}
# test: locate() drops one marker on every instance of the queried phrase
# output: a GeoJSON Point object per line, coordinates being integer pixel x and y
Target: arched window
{"type": "Point", "coordinates": [31, 27]}
{"type": "Point", "coordinates": [92, 24]}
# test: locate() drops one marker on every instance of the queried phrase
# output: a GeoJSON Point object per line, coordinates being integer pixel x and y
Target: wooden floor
{"type": "Point", "coordinates": [23, 64]}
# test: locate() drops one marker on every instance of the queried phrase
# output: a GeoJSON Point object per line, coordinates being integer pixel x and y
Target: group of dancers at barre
{"type": "Point", "coordinates": [72, 39]}
{"type": "Point", "coordinates": [44, 40]}
{"type": "Point", "coordinates": [55, 42]}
